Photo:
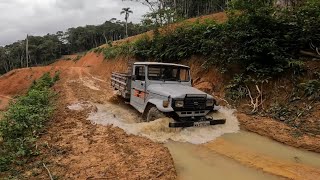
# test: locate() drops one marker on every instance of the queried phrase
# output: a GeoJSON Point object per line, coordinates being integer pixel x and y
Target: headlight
{"type": "Point", "coordinates": [210, 102]}
{"type": "Point", "coordinates": [178, 104]}
{"type": "Point", "coordinates": [165, 103]}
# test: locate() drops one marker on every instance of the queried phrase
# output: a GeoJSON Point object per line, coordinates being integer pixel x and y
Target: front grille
{"type": "Point", "coordinates": [192, 102]}
{"type": "Point", "coordinates": [195, 103]}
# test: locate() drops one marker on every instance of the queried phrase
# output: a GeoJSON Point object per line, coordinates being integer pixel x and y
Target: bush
{"type": "Point", "coordinates": [262, 39]}
{"type": "Point", "coordinates": [24, 120]}
{"type": "Point", "coordinates": [115, 51]}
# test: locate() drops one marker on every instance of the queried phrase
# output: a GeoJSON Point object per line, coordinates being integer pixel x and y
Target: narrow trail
{"type": "Point", "coordinates": [70, 77]}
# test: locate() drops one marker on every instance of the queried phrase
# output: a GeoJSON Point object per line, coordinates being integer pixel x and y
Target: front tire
{"type": "Point", "coordinates": [153, 114]}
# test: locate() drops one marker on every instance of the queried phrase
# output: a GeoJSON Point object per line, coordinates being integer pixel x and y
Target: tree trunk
{"type": "Point", "coordinates": [27, 51]}
{"type": "Point", "coordinates": [126, 28]}
{"type": "Point", "coordinates": [6, 66]}
{"type": "Point", "coordinates": [105, 37]}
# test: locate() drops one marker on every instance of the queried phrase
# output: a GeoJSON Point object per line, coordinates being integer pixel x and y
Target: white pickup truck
{"type": "Point", "coordinates": [164, 89]}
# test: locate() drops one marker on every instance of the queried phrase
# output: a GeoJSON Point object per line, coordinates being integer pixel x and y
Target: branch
{"type": "Point", "coordinates": [255, 104]}
{"type": "Point", "coordinates": [48, 171]}
{"type": "Point", "coordinates": [311, 53]}
{"type": "Point", "coordinates": [217, 97]}
{"type": "Point", "coordinates": [317, 50]}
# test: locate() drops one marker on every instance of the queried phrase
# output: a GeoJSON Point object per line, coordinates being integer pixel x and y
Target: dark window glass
{"type": "Point", "coordinates": [140, 73]}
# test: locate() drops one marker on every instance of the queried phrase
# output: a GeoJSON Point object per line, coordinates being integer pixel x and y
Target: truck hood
{"type": "Point", "coordinates": [174, 90]}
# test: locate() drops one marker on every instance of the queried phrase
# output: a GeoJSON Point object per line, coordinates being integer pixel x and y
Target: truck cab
{"type": "Point", "coordinates": [165, 89]}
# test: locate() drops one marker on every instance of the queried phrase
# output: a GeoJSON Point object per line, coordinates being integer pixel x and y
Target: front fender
{"type": "Point", "coordinates": [159, 104]}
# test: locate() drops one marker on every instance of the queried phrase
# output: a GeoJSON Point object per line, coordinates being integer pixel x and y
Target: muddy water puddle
{"type": "Point", "coordinates": [271, 148]}
{"type": "Point", "coordinates": [216, 152]}
{"type": "Point", "coordinates": [195, 162]}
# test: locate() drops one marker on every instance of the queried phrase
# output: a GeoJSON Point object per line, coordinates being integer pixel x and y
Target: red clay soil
{"type": "Point", "coordinates": [17, 81]}
{"type": "Point", "coordinates": [78, 149]}
{"type": "Point", "coordinates": [72, 147]}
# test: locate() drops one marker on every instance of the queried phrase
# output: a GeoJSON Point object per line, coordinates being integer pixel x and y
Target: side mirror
{"type": "Point", "coordinates": [134, 77]}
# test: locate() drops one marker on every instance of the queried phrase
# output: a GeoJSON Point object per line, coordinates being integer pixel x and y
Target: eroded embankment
{"type": "Point", "coordinates": [18, 81]}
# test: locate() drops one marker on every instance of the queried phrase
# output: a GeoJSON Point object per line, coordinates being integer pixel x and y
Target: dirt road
{"type": "Point", "coordinates": [77, 149]}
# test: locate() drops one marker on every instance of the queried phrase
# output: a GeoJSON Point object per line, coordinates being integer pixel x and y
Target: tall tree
{"type": "Point", "coordinates": [127, 12]}
{"type": "Point", "coordinates": [27, 51]}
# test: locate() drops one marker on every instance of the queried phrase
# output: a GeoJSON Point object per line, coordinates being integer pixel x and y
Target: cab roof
{"type": "Point", "coordinates": [157, 63]}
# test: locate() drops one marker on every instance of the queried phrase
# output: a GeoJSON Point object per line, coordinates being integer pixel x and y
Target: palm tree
{"type": "Point", "coordinates": [126, 11]}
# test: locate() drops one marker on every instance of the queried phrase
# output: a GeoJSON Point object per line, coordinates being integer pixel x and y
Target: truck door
{"type": "Point", "coordinates": [138, 88]}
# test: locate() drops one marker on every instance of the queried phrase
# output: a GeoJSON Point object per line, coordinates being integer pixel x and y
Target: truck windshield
{"type": "Point", "coordinates": [168, 73]}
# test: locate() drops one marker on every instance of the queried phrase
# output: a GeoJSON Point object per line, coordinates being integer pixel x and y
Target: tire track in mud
{"type": "Point", "coordinates": [95, 78]}
{"type": "Point", "coordinates": [89, 81]}
{"type": "Point", "coordinates": [66, 87]}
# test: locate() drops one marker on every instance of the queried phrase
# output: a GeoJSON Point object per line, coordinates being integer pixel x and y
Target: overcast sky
{"type": "Point", "coordinates": [39, 17]}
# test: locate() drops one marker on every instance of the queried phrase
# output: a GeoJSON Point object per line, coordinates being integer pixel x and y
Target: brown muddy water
{"type": "Point", "coordinates": [216, 152]}
{"type": "Point", "coordinates": [196, 162]}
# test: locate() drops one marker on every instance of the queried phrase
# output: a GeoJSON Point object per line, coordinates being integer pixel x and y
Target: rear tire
{"type": "Point", "coordinates": [153, 114]}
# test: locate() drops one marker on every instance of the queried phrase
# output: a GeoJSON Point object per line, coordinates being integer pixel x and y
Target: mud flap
{"type": "Point", "coordinates": [197, 123]}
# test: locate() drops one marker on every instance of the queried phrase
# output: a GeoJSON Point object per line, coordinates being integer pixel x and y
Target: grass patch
{"type": "Point", "coordinates": [23, 122]}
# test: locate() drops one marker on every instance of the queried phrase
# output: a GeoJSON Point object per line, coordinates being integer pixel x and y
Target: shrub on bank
{"type": "Point", "coordinates": [24, 120]}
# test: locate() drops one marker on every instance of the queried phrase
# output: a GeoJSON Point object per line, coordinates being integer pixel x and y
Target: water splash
{"type": "Point", "coordinates": [158, 130]}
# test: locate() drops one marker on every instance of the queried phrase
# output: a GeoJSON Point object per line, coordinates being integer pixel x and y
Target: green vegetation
{"type": "Point", "coordinates": [115, 51]}
{"type": "Point", "coordinates": [262, 39]}
{"type": "Point", "coordinates": [24, 121]}
{"type": "Point", "coordinates": [166, 12]}
{"type": "Point", "coordinates": [311, 88]}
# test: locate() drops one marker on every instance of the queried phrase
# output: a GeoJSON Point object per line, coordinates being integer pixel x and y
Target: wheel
{"type": "Point", "coordinates": [153, 114]}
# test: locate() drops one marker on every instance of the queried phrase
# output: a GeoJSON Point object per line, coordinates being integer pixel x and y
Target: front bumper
{"type": "Point", "coordinates": [196, 123]}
